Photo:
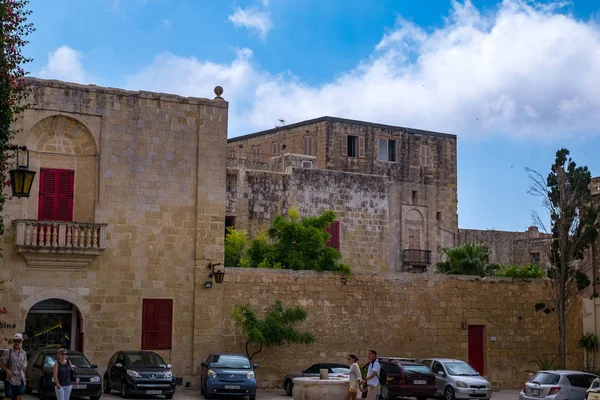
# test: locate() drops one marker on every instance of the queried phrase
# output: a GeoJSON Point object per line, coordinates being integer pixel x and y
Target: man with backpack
{"type": "Point", "coordinates": [373, 374]}
{"type": "Point", "coordinates": [12, 365]}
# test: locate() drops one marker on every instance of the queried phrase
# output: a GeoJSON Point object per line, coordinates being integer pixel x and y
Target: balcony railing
{"type": "Point", "coordinates": [59, 244]}
{"type": "Point", "coordinates": [417, 257]}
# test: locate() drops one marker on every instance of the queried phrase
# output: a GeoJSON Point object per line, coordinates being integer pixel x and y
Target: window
{"type": "Point", "coordinates": [581, 380]}
{"type": "Point", "coordinates": [427, 363]}
{"type": "Point", "coordinates": [438, 215]}
{"type": "Point", "coordinates": [229, 223]}
{"type": "Point", "coordinates": [56, 195]}
{"type": "Point", "coordinates": [419, 369]}
{"type": "Point", "coordinates": [255, 153]}
{"type": "Point", "coordinates": [414, 239]}
{"type": "Point", "coordinates": [415, 195]}
{"type": "Point", "coordinates": [391, 368]}
{"type": "Point", "coordinates": [437, 368]}
{"type": "Point", "coordinates": [313, 369]}
{"type": "Point", "coordinates": [545, 378]}
{"type": "Point", "coordinates": [425, 156]}
{"type": "Point", "coordinates": [275, 148]}
{"type": "Point", "coordinates": [387, 150]}
{"type": "Point", "coordinates": [535, 258]}
{"type": "Point", "coordinates": [334, 231]}
{"type": "Point", "coordinates": [157, 324]}
{"type": "Point", "coordinates": [353, 146]}
{"type": "Point", "coordinates": [308, 146]}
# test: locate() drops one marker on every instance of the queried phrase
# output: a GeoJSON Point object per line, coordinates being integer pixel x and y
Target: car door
{"type": "Point", "coordinates": [436, 368]}
{"type": "Point", "coordinates": [116, 372]}
{"type": "Point", "coordinates": [204, 370]}
{"type": "Point", "coordinates": [579, 385]}
{"type": "Point", "coordinates": [109, 367]}
{"type": "Point", "coordinates": [35, 372]}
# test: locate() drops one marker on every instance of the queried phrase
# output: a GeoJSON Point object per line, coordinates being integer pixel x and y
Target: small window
{"type": "Point", "coordinates": [352, 146]}
{"type": "Point", "coordinates": [535, 258]}
{"type": "Point", "coordinates": [437, 368]}
{"type": "Point", "coordinates": [545, 378]}
{"type": "Point", "coordinates": [229, 223]}
{"type": "Point", "coordinates": [425, 156]}
{"type": "Point", "coordinates": [387, 150]}
{"type": "Point", "coordinates": [438, 216]}
{"type": "Point", "coordinates": [308, 145]}
{"type": "Point", "coordinates": [255, 153]}
{"type": "Point", "coordinates": [415, 195]}
{"type": "Point", "coordinates": [276, 148]}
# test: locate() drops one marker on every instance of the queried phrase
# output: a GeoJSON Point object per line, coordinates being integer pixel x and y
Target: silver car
{"type": "Point", "coordinates": [458, 380]}
{"type": "Point", "coordinates": [557, 385]}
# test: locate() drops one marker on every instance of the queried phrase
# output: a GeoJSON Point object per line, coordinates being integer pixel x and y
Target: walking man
{"type": "Point", "coordinates": [373, 376]}
{"type": "Point", "coordinates": [14, 362]}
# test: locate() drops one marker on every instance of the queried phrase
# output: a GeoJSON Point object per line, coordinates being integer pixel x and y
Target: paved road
{"type": "Point", "coordinates": [270, 395]}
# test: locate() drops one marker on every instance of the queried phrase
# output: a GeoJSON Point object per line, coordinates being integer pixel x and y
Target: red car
{"type": "Point", "coordinates": [407, 379]}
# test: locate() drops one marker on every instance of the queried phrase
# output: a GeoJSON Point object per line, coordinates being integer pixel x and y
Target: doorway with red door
{"type": "Point", "coordinates": [476, 348]}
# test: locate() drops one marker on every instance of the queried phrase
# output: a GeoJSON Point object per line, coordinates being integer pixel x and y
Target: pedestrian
{"type": "Point", "coordinates": [14, 362]}
{"type": "Point", "coordinates": [373, 376]}
{"type": "Point", "coordinates": [355, 377]}
{"type": "Point", "coordinates": [62, 371]}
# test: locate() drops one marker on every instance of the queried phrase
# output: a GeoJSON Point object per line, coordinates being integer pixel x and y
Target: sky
{"type": "Point", "coordinates": [515, 80]}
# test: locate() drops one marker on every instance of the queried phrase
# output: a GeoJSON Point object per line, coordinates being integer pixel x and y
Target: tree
{"type": "Point", "coordinates": [275, 329]}
{"type": "Point", "coordinates": [13, 89]}
{"type": "Point", "coordinates": [235, 243]}
{"type": "Point", "coordinates": [573, 218]}
{"type": "Point", "coordinates": [589, 343]}
{"type": "Point", "coordinates": [468, 259]}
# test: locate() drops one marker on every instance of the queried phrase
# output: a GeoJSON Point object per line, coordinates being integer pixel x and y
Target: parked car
{"type": "Point", "coordinates": [139, 373]}
{"type": "Point", "coordinates": [1, 384]}
{"type": "Point", "coordinates": [593, 392]}
{"type": "Point", "coordinates": [228, 374]}
{"type": "Point", "coordinates": [40, 375]}
{"type": "Point", "coordinates": [406, 379]}
{"type": "Point", "coordinates": [314, 370]}
{"type": "Point", "coordinates": [458, 380]}
{"type": "Point", "coordinates": [557, 385]}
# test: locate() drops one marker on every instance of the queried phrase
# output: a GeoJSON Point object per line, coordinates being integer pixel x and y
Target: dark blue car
{"type": "Point", "coordinates": [228, 375]}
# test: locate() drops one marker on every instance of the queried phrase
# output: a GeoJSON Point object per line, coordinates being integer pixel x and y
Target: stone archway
{"type": "Point", "coordinates": [53, 323]}
{"type": "Point", "coordinates": [62, 135]}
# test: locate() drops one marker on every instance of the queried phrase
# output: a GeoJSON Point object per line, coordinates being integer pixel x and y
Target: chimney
{"type": "Point", "coordinates": [533, 232]}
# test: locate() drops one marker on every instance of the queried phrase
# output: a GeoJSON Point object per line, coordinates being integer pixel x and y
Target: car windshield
{"type": "Point", "coordinates": [144, 360]}
{"type": "Point", "coordinates": [337, 370]}
{"type": "Point", "coordinates": [545, 378]}
{"type": "Point", "coordinates": [419, 369]}
{"type": "Point", "coordinates": [77, 360]}
{"type": "Point", "coordinates": [228, 361]}
{"type": "Point", "coordinates": [460, 369]}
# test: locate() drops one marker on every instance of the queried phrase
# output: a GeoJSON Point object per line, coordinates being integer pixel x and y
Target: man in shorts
{"type": "Point", "coordinates": [14, 363]}
{"type": "Point", "coordinates": [373, 376]}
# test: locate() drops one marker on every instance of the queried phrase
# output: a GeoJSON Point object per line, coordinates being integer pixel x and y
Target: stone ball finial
{"type": "Point", "coordinates": [218, 91]}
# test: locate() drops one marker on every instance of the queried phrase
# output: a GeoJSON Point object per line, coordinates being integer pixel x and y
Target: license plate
{"type": "Point", "coordinates": [593, 396]}
{"type": "Point", "coordinates": [535, 392]}
{"type": "Point", "coordinates": [231, 387]}
{"type": "Point", "coordinates": [153, 391]}
{"type": "Point", "coordinates": [80, 386]}
{"type": "Point", "coordinates": [420, 382]}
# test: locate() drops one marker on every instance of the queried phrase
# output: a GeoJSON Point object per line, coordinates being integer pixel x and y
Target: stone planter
{"type": "Point", "coordinates": [333, 388]}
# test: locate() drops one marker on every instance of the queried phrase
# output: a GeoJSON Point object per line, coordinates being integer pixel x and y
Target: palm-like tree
{"type": "Point", "coordinates": [468, 259]}
{"type": "Point", "coordinates": [590, 344]}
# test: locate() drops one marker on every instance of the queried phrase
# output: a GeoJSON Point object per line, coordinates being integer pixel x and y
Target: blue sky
{"type": "Point", "coordinates": [515, 80]}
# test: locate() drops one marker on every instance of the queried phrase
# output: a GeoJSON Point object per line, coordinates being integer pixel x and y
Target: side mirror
{"type": "Point", "coordinates": [94, 366]}
{"type": "Point", "coordinates": [441, 373]}
{"type": "Point", "coordinates": [204, 364]}
{"type": "Point", "coordinates": [254, 366]}
{"type": "Point", "coordinates": [168, 366]}
{"type": "Point", "coordinates": [119, 365]}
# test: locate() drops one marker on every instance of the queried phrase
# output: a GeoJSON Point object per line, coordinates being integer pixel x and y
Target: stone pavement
{"type": "Point", "coordinates": [271, 395]}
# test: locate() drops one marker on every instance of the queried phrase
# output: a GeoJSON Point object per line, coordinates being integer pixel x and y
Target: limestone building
{"type": "Point", "coordinates": [394, 189]}
{"type": "Point", "coordinates": [126, 212]}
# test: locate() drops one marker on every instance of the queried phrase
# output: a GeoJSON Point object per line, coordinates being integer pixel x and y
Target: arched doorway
{"type": "Point", "coordinates": [53, 323]}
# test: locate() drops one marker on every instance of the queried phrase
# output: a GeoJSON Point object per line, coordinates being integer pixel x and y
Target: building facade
{"type": "Point", "coordinates": [127, 209]}
{"type": "Point", "coordinates": [394, 189]}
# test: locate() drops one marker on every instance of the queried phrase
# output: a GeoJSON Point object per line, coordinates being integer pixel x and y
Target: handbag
{"type": "Point", "coordinates": [3, 375]}
{"type": "Point", "coordinates": [72, 374]}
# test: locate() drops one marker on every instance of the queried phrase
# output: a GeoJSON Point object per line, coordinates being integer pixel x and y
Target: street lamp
{"type": "Point", "coordinates": [217, 274]}
{"type": "Point", "coordinates": [21, 177]}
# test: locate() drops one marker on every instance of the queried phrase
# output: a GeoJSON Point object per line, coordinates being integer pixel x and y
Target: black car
{"type": "Point", "coordinates": [314, 371]}
{"type": "Point", "coordinates": [40, 377]}
{"type": "Point", "coordinates": [139, 373]}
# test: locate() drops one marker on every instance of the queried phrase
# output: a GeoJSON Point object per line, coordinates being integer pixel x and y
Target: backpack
{"type": "Point", "coordinates": [382, 376]}
{"type": "Point", "coordinates": [3, 375]}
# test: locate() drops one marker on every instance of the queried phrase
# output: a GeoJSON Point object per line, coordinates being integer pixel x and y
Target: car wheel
{"type": "Point", "coordinates": [124, 391]}
{"type": "Point", "coordinates": [385, 393]}
{"type": "Point", "coordinates": [206, 394]}
{"type": "Point", "coordinates": [289, 387]}
{"type": "Point", "coordinates": [94, 397]}
{"type": "Point", "coordinates": [106, 388]}
{"type": "Point", "coordinates": [449, 394]}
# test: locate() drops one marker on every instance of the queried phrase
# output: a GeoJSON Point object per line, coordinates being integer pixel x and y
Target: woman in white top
{"type": "Point", "coordinates": [355, 378]}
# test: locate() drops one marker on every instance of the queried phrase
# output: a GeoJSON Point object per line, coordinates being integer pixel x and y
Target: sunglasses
{"type": "Point", "coordinates": [63, 354]}
{"type": "Point", "coordinates": [17, 341]}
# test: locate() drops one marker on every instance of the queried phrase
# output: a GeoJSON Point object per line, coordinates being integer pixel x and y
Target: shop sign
{"type": "Point", "coordinates": [6, 325]}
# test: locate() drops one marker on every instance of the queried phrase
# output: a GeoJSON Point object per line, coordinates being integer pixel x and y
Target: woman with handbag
{"type": "Point", "coordinates": [64, 376]}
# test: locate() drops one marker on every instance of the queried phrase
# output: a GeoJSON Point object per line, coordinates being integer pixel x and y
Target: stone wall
{"type": "Point", "coordinates": [397, 314]}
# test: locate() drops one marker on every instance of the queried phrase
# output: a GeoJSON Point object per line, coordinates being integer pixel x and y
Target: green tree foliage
{"type": "Point", "coordinates": [533, 271]}
{"type": "Point", "coordinates": [292, 242]}
{"type": "Point", "coordinates": [13, 89]}
{"type": "Point", "coordinates": [566, 196]}
{"type": "Point", "coordinates": [468, 259]}
{"type": "Point", "coordinates": [590, 345]}
{"type": "Point", "coordinates": [275, 329]}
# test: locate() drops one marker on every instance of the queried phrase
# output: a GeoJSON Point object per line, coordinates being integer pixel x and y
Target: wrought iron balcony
{"type": "Point", "coordinates": [57, 244]}
{"type": "Point", "coordinates": [417, 257]}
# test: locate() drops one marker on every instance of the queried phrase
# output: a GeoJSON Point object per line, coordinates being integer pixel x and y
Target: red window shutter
{"type": "Point", "coordinates": [47, 194]}
{"type": "Point", "coordinates": [334, 231]}
{"type": "Point", "coordinates": [65, 196]}
{"type": "Point", "coordinates": [361, 147]}
{"type": "Point", "coordinates": [164, 324]}
{"type": "Point", "coordinates": [149, 324]}
{"type": "Point", "coordinates": [345, 145]}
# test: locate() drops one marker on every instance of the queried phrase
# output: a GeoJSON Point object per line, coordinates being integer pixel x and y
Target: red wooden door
{"type": "Point", "coordinates": [476, 341]}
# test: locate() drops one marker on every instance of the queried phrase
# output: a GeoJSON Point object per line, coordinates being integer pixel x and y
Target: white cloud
{"type": "Point", "coordinates": [253, 20]}
{"type": "Point", "coordinates": [65, 64]}
{"type": "Point", "coordinates": [525, 70]}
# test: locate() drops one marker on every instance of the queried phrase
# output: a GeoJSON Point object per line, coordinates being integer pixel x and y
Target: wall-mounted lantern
{"type": "Point", "coordinates": [217, 274]}
{"type": "Point", "coordinates": [21, 177]}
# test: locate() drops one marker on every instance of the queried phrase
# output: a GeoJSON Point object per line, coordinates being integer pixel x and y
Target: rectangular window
{"type": "Point", "coordinates": [414, 239]}
{"type": "Point", "coordinates": [415, 196]}
{"type": "Point", "coordinates": [255, 153]}
{"type": "Point", "coordinates": [438, 215]}
{"type": "Point", "coordinates": [425, 156]}
{"type": "Point", "coordinates": [56, 195]}
{"type": "Point", "coordinates": [334, 231]}
{"type": "Point", "coordinates": [275, 148]}
{"type": "Point", "coordinates": [229, 223]}
{"type": "Point", "coordinates": [308, 146]}
{"type": "Point", "coordinates": [157, 324]}
{"type": "Point", "coordinates": [387, 150]}
{"type": "Point", "coordinates": [352, 146]}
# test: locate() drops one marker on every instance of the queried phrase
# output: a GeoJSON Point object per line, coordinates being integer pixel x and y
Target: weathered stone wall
{"type": "Point", "coordinates": [151, 166]}
{"type": "Point", "coordinates": [398, 314]}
